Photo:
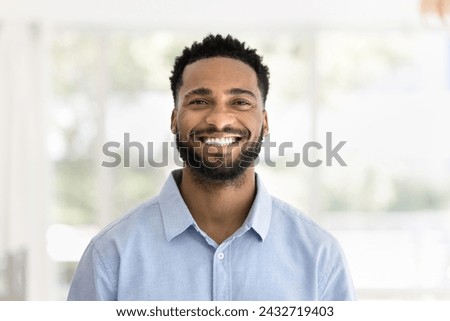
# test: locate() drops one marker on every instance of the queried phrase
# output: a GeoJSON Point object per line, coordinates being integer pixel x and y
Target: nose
{"type": "Point", "coordinates": [220, 116]}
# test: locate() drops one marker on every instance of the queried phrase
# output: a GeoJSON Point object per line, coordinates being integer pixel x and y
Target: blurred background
{"type": "Point", "coordinates": [75, 75]}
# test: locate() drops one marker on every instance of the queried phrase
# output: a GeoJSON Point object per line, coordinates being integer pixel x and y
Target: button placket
{"type": "Point", "coordinates": [221, 276]}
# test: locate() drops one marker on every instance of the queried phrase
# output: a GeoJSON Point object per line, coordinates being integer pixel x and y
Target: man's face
{"type": "Point", "coordinates": [219, 119]}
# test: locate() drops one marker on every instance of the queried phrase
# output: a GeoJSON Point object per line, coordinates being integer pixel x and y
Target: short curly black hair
{"type": "Point", "coordinates": [218, 46]}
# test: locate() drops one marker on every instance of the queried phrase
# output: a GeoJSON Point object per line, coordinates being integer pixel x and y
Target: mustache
{"type": "Point", "coordinates": [226, 130]}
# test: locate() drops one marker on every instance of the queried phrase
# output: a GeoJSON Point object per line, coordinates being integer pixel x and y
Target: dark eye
{"type": "Point", "coordinates": [241, 103]}
{"type": "Point", "coordinates": [198, 102]}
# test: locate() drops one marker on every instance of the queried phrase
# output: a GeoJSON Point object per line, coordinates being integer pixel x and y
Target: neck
{"type": "Point", "coordinates": [218, 208]}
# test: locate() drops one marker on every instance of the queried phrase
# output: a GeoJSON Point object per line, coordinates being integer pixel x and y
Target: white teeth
{"type": "Point", "coordinates": [220, 141]}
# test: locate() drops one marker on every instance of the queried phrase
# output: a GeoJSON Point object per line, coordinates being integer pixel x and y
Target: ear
{"type": "Point", "coordinates": [173, 121]}
{"type": "Point", "coordinates": [265, 123]}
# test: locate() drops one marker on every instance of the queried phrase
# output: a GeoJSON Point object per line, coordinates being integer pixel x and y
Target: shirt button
{"type": "Point", "coordinates": [220, 256]}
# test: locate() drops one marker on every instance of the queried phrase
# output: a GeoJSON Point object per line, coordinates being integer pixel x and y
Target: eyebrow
{"type": "Point", "coordinates": [240, 91]}
{"type": "Point", "coordinates": [199, 91]}
{"type": "Point", "coordinates": [207, 92]}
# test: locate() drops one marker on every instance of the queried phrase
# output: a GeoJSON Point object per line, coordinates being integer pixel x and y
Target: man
{"type": "Point", "coordinates": [214, 232]}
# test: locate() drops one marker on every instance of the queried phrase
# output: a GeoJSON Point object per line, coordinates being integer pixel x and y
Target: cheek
{"type": "Point", "coordinates": [255, 125]}
{"type": "Point", "coordinates": [184, 124]}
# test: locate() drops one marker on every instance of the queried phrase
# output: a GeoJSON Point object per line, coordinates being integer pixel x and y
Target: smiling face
{"type": "Point", "coordinates": [219, 119]}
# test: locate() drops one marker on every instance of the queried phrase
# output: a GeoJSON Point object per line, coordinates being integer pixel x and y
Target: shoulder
{"type": "Point", "coordinates": [143, 218]}
{"type": "Point", "coordinates": [122, 239]}
{"type": "Point", "coordinates": [298, 224]}
{"type": "Point", "coordinates": [308, 240]}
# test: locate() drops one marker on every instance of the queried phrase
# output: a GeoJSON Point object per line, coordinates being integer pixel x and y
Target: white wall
{"type": "Point", "coordinates": [204, 14]}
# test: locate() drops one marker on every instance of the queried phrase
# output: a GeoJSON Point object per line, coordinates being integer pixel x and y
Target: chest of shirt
{"type": "Point", "coordinates": [188, 268]}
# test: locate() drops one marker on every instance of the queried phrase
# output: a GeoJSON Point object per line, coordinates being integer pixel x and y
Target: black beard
{"type": "Point", "coordinates": [225, 173]}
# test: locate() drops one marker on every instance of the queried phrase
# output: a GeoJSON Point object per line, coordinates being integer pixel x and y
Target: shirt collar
{"type": "Point", "coordinates": [175, 214]}
{"type": "Point", "coordinates": [177, 218]}
{"type": "Point", "coordinates": [261, 211]}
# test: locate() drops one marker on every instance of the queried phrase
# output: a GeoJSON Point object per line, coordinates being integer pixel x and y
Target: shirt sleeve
{"type": "Point", "coordinates": [93, 280]}
{"type": "Point", "coordinates": [336, 283]}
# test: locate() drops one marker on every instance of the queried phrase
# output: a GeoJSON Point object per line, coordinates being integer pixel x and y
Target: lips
{"type": "Point", "coordinates": [223, 141]}
{"type": "Point", "coordinates": [212, 137]}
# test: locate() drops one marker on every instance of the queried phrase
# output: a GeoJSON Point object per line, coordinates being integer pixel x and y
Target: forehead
{"type": "Point", "coordinates": [219, 73]}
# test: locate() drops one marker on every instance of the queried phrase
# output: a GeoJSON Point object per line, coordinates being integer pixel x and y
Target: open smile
{"type": "Point", "coordinates": [220, 141]}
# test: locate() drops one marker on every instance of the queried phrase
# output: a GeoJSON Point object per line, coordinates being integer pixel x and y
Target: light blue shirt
{"type": "Point", "coordinates": [158, 252]}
